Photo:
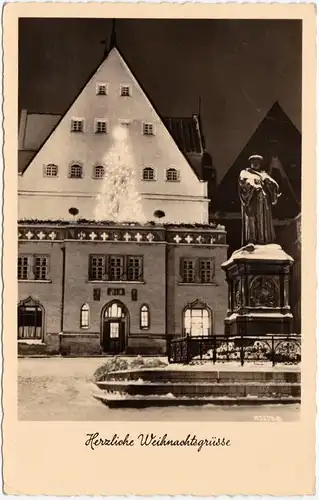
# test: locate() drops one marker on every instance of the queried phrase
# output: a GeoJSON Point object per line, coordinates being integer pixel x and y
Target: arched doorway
{"type": "Point", "coordinates": [114, 327]}
{"type": "Point", "coordinates": [30, 320]}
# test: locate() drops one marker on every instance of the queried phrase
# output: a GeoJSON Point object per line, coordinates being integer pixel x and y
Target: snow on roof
{"type": "Point", "coordinates": [253, 314]}
{"type": "Point", "coordinates": [259, 252]}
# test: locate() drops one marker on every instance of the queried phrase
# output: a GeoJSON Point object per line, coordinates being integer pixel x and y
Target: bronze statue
{"type": "Point", "coordinates": [258, 191]}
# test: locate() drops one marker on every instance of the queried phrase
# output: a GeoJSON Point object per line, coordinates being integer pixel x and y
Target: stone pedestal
{"type": "Point", "coordinates": [258, 278]}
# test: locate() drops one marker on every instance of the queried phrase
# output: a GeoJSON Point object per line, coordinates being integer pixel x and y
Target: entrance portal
{"type": "Point", "coordinates": [114, 328]}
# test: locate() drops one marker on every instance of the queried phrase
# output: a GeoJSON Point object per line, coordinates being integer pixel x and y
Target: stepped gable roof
{"type": "Point", "coordinates": [279, 142]}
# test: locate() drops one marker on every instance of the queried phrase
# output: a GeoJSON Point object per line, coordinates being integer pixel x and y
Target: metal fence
{"type": "Point", "coordinates": [221, 348]}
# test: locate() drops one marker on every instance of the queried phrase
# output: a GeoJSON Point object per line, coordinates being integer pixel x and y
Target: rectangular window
{"type": "Point", "coordinates": [50, 170]}
{"type": "Point", "coordinates": [134, 268]}
{"type": "Point", "coordinates": [33, 267]}
{"type": "Point", "coordinates": [100, 126]}
{"type": "Point", "coordinates": [114, 330]}
{"type": "Point", "coordinates": [188, 270]}
{"type": "Point", "coordinates": [148, 129]}
{"type": "Point", "coordinates": [125, 122]}
{"type": "Point", "coordinates": [101, 89]}
{"type": "Point", "coordinates": [206, 270]}
{"type": "Point", "coordinates": [97, 267]}
{"type": "Point", "coordinates": [23, 267]}
{"type": "Point", "coordinates": [125, 91]}
{"type": "Point", "coordinates": [116, 268]}
{"type": "Point", "coordinates": [40, 268]}
{"type": "Point", "coordinates": [77, 125]}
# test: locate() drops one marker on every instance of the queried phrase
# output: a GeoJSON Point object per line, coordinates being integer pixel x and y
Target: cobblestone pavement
{"type": "Point", "coordinates": [61, 389]}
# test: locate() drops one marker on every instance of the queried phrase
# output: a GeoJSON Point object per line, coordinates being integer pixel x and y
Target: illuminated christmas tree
{"type": "Point", "coordinates": [120, 200]}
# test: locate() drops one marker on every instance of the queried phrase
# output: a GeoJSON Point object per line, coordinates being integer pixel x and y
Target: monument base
{"type": "Point", "coordinates": [258, 278]}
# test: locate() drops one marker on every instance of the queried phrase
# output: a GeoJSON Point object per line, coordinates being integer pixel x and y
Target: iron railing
{"type": "Point", "coordinates": [222, 348]}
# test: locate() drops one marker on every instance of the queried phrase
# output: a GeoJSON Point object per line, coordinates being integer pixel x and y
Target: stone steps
{"type": "Point", "coordinates": [169, 387]}
{"type": "Point", "coordinates": [198, 376]}
{"type": "Point", "coordinates": [153, 401]}
{"type": "Point", "coordinates": [195, 389]}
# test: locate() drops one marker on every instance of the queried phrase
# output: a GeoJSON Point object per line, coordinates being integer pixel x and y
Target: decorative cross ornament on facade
{"type": "Point", "coordinates": [52, 235]}
{"type": "Point", "coordinates": [150, 237]}
{"type": "Point", "coordinates": [29, 235]}
{"type": "Point", "coordinates": [177, 239]}
{"type": "Point", "coordinates": [189, 239]}
{"type": "Point", "coordinates": [92, 235]}
{"type": "Point", "coordinates": [199, 239]}
{"type": "Point", "coordinates": [138, 237]}
{"type": "Point", "coordinates": [81, 235]}
{"type": "Point", "coordinates": [41, 235]}
{"type": "Point", "coordinates": [212, 240]}
{"type": "Point", "coordinates": [104, 236]}
{"type": "Point", "coordinates": [127, 237]}
{"type": "Point", "coordinates": [115, 237]}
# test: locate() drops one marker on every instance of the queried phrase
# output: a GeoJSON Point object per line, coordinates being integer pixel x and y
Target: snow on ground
{"type": "Point", "coordinates": [60, 389]}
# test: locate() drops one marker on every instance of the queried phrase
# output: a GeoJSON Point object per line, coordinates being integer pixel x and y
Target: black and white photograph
{"type": "Point", "coordinates": [159, 219]}
{"type": "Point", "coordinates": [159, 239]}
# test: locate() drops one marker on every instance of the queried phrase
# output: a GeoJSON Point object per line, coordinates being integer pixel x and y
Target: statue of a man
{"type": "Point", "coordinates": [258, 191]}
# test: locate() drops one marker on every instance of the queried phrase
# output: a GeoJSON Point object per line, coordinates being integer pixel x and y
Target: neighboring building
{"type": "Point", "coordinates": [279, 142]}
{"type": "Point", "coordinates": [115, 250]}
{"type": "Point", "coordinates": [290, 240]}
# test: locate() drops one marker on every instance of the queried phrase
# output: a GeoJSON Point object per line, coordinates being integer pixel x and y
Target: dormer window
{"type": "Point", "coordinates": [101, 89]}
{"type": "Point", "coordinates": [148, 174]}
{"type": "Point", "coordinates": [77, 125]}
{"type": "Point", "coordinates": [50, 170]}
{"type": "Point", "coordinates": [100, 126]}
{"type": "Point", "coordinates": [98, 172]}
{"type": "Point", "coordinates": [76, 171]}
{"type": "Point", "coordinates": [148, 128]}
{"type": "Point", "coordinates": [172, 175]}
{"type": "Point", "coordinates": [125, 90]}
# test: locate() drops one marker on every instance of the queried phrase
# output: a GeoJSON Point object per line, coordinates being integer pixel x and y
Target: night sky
{"type": "Point", "coordinates": [238, 67]}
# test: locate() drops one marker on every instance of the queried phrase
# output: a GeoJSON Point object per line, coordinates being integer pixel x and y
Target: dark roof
{"type": "Point", "coordinates": [279, 142]}
{"type": "Point", "coordinates": [186, 133]}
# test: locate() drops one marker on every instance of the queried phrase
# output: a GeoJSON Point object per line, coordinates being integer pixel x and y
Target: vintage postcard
{"type": "Point", "coordinates": [159, 249]}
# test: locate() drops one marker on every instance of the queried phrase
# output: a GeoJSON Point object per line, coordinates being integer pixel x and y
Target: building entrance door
{"type": "Point", "coordinates": [114, 329]}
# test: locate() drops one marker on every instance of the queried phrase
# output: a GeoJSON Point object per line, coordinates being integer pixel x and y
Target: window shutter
{"type": "Point", "coordinates": [106, 274]}
{"type": "Point", "coordinates": [197, 265]}
{"type": "Point", "coordinates": [213, 260]}
{"type": "Point", "coordinates": [140, 275]}
{"type": "Point", "coordinates": [124, 265]}
{"type": "Point", "coordinates": [181, 268]}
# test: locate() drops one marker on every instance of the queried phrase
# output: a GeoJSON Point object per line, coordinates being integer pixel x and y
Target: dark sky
{"type": "Point", "coordinates": [238, 67]}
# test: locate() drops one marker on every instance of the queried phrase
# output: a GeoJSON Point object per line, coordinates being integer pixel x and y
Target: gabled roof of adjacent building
{"type": "Point", "coordinates": [279, 142]}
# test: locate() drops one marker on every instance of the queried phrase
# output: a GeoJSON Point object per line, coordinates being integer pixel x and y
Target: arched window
{"type": "Point", "coordinates": [148, 174]}
{"type": "Point", "coordinates": [145, 317]}
{"type": "Point", "coordinates": [50, 170]}
{"type": "Point", "coordinates": [172, 174]}
{"type": "Point", "coordinates": [30, 320]}
{"type": "Point", "coordinates": [114, 311]}
{"type": "Point", "coordinates": [76, 171]}
{"type": "Point", "coordinates": [85, 316]}
{"type": "Point", "coordinates": [98, 172]}
{"type": "Point", "coordinates": [197, 320]}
